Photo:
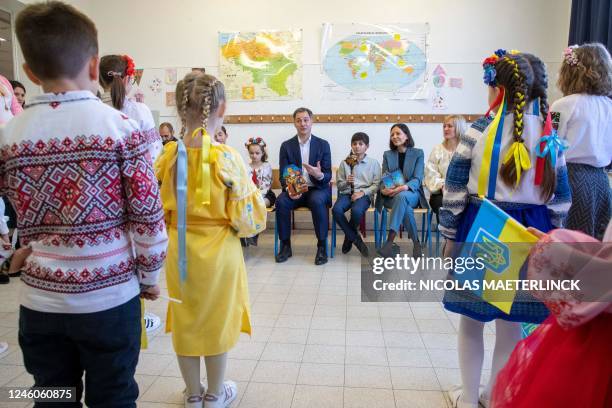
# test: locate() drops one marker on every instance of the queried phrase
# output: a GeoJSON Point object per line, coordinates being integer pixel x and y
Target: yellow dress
{"type": "Point", "coordinates": [215, 295]}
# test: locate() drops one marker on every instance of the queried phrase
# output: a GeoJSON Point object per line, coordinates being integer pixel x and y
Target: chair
{"type": "Point", "coordinates": [381, 233]}
{"type": "Point", "coordinates": [431, 214]}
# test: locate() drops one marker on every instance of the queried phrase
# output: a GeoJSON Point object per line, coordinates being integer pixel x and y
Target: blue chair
{"type": "Point", "coordinates": [381, 233]}
{"type": "Point", "coordinates": [431, 214]}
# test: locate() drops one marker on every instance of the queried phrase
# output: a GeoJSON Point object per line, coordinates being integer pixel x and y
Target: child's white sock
{"type": "Point", "coordinates": [190, 369]}
{"type": "Point", "coordinates": [215, 372]}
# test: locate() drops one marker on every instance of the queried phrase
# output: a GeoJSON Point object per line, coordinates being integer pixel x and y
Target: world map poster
{"type": "Point", "coordinates": [374, 61]}
{"type": "Point", "coordinates": [262, 65]}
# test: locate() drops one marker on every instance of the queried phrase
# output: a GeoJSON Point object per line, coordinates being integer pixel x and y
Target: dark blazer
{"type": "Point", "coordinates": [319, 152]}
{"type": "Point", "coordinates": [414, 167]}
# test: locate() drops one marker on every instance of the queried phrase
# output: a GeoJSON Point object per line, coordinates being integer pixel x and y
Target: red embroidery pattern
{"type": "Point", "coordinates": [81, 198]}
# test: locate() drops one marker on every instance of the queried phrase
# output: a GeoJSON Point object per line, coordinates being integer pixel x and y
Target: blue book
{"type": "Point", "coordinates": [393, 179]}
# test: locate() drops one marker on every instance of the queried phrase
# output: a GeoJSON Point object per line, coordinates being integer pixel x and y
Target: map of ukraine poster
{"type": "Point", "coordinates": [262, 65]}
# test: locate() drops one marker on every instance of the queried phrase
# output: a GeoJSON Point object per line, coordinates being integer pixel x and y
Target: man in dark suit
{"type": "Point", "coordinates": [313, 156]}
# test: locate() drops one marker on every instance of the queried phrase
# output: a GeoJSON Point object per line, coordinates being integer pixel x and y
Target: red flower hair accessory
{"type": "Point", "coordinates": [130, 70]}
{"type": "Point", "coordinates": [255, 141]}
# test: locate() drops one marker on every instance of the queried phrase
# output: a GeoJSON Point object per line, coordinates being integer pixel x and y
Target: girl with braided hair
{"type": "Point", "coordinates": [584, 118]}
{"type": "Point", "coordinates": [504, 158]}
{"type": "Point", "coordinates": [117, 73]}
{"type": "Point", "coordinates": [210, 202]}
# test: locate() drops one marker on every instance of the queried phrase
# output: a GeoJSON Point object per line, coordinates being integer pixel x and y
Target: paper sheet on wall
{"type": "Point", "coordinates": [374, 61]}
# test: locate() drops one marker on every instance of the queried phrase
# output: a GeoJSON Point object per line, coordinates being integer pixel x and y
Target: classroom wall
{"type": "Point", "coordinates": [462, 33]}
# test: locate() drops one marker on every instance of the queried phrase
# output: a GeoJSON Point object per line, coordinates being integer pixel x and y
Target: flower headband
{"type": "Point", "coordinates": [129, 69]}
{"type": "Point", "coordinates": [489, 65]}
{"type": "Point", "coordinates": [255, 141]}
{"type": "Point", "coordinates": [569, 55]}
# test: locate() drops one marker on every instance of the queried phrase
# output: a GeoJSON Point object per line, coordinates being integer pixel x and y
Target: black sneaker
{"type": "Point", "coordinates": [346, 245]}
{"type": "Point", "coordinates": [361, 246]}
{"type": "Point", "coordinates": [4, 278]}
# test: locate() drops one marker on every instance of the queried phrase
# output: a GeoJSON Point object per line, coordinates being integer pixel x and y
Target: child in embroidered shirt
{"type": "Point", "coordinates": [117, 73]}
{"type": "Point", "coordinates": [261, 174]}
{"type": "Point", "coordinates": [357, 183]}
{"type": "Point", "coordinates": [584, 120]}
{"type": "Point", "coordinates": [536, 196]}
{"type": "Point", "coordinates": [86, 200]}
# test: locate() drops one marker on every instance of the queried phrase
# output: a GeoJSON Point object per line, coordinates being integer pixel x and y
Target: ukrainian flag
{"type": "Point", "coordinates": [488, 239]}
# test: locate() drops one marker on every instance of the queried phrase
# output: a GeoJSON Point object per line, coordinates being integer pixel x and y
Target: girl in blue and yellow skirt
{"type": "Point", "coordinates": [494, 160]}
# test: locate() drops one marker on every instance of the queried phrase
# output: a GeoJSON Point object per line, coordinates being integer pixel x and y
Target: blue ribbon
{"type": "Point", "coordinates": [496, 154]}
{"type": "Point", "coordinates": [553, 146]}
{"type": "Point", "coordinates": [181, 208]}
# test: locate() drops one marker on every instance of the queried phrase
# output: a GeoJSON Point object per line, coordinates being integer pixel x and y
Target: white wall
{"type": "Point", "coordinates": [462, 33]}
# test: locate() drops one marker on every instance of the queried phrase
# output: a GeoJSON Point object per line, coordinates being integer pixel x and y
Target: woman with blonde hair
{"type": "Point", "coordinates": [435, 171]}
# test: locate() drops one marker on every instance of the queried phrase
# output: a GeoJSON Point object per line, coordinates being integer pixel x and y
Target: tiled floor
{"type": "Point", "coordinates": [314, 343]}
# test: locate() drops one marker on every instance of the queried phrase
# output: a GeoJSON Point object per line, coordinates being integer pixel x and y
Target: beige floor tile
{"type": "Point", "coordinates": [328, 323]}
{"type": "Point", "coordinates": [366, 323]}
{"type": "Point", "coordinates": [403, 339]}
{"type": "Point", "coordinates": [165, 389]}
{"type": "Point", "coordinates": [429, 313]}
{"type": "Point", "coordinates": [284, 335]}
{"type": "Point", "coordinates": [366, 355]}
{"type": "Point", "coordinates": [263, 320]}
{"type": "Point", "coordinates": [293, 321]}
{"type": "Point", "coordinates": [153, 364]}
{"type": "Point", "coordinates": [247, 351]}
{"type": "Point", "coordinates": [411, 378]}
{"type": "Point", "coordinates": [260, 395]}
{"type": "Point", "coordinates": [435, 326]}
{"type": "Point", "coordinates": [441, 358]}
{"type": "Point", "coordinates": [297, 309]}
{"type": "Point", "coordinates": [406, 357]}
{"type": "Point", "coordinates": [367, 376]}
{"type": "Point", "coordinates": [321, 374]}
{"type": "Point", "coordinates": [240, 370]}
{"type": "Point", "coordinates": [399, 324]}
{"type": "Point", "coordinates": [23, 380]}
{"type": "Point", "coordinates": [159, 345]}
{"type": "Point", "coordinates": [144, 382]}
{"type": "Point", "coordinates": [327, 337]}
{"type": "Point", "coordinates": [309, 396]}
{"type": "Point", "coordinates": [283, 352]}
{"type": "Point", "coordinates": [440, 341]}
{"type": "Point", "coordinates": [315, 353]}
{"type": "Point", "coordinates": [259, 334]}
{"type": "Point", "coordinates": [368, 398]}
{"type": "Point", "coordinates": [419, 399]}
{"type": "Point", "coordinates": [365, 338]}
{"type": "Point", "coordinates": [330, 311]}
{"type": "Point", "coordinates": [276, 372]}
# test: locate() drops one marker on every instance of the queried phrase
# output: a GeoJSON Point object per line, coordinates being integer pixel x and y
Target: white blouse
{"type": "Point", "coordinates": [585, 122]}
{"type": "Point", "coordinates": [437, 165]}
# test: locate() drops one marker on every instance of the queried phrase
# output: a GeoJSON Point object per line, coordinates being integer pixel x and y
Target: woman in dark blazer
{"type": "Point", "coordinates": [402, 199]}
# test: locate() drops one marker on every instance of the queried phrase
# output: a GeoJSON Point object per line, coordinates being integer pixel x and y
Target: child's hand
{"type": "Point", "coordinates": [150, 292]}
{"type": "Point", "coordinates": [350, 178]}
{"type": "Point", "coordinates": [386, 191]}
{"type": "Point", "coordinates": [18, 259]}
{"type": "Point", "coordinates": [6, 242]}
{"type": "Point", "coordinates": [536, 232]}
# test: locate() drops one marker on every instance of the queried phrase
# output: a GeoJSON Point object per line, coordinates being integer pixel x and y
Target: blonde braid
{"type": "Point", "coordinates": [520, 99]}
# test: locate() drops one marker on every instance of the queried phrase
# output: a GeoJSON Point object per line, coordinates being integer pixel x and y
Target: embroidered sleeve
{"type": "Point", "coordinates": [455, 190]}
{"type": "Point", "coordinates": [246, 208]}
{"type": "Point", "coordinates": [144, 208]}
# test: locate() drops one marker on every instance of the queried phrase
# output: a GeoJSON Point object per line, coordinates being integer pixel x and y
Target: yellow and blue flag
{"type": "Point", "coordinates": [489, 238]}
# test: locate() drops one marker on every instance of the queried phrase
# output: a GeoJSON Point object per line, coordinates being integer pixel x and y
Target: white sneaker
{"type": "Point", "coordinates": [453, 397]}
{"type": "Point", "coordinates": [3, 347]}
{"type": "Point", "coordinates": [195, 401]}
{"type": "Point", "coordinates": [152, 322]}
{"type": "Point", "coordinates": [230, 392]}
